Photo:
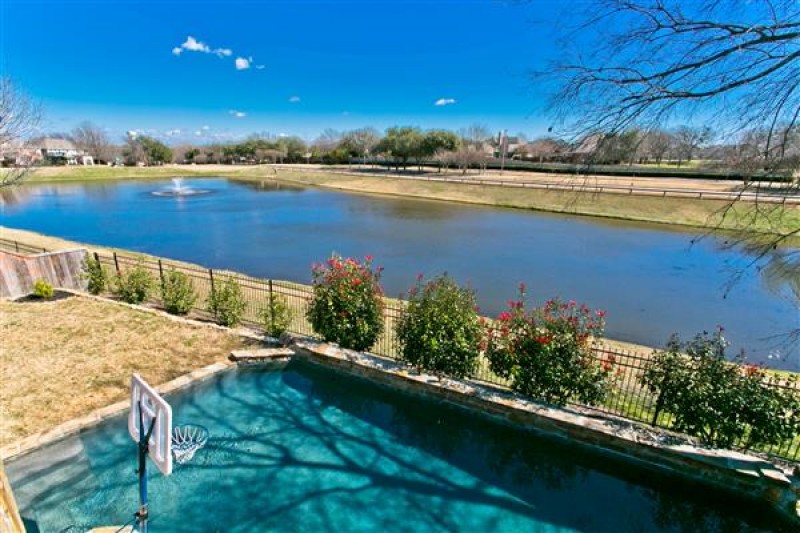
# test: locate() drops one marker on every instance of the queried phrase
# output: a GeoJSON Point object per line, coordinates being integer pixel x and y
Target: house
{"type": "Point", "coordinates": [62, 151]}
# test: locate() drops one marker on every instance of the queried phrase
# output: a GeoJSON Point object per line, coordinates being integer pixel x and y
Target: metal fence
{"type": "Point", "coordinates": [629, 398]}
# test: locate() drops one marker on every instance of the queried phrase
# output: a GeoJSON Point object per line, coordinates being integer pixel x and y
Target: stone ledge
{"type": "Point", "coordinates": [72, 427]}
{"type": "Point", "coordinates": [655, 449]}
{"type": "Point", "coordinates": [261, 355]}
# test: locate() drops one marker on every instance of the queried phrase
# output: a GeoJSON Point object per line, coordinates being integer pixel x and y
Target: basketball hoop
{"type": "Point", "coordinates": [186, 440]}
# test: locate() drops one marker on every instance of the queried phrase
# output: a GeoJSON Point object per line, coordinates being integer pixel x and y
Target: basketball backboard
{"type": "Point", "coordinates": [153, 406]}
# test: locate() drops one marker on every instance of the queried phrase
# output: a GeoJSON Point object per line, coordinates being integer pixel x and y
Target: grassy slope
{"type": "Point", "coordinates": [64, 358]}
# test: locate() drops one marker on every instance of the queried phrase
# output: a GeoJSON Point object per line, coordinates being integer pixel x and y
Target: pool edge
{"type": "Point", "coordinates": [731, 471]}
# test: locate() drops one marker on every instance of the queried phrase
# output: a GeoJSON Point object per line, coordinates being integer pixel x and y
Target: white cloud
{"type": "Point", "coordinates": [205, 128]}
{"type": "Point", "coordinates": [242, 63]}
{"type": "Point", "coordinates": [172, 133]}
{"type": "Point", "coordinates": [444, 101]}
{"type": "Point", "coordinates": [193, 45]}
{"type": "Point", "coordinates": [260, 67]}
{"type": "Point", "coordinates": [237, 114]}
{"type": "Point", "coordinates": [198, 133]}
{"type": "Point", "coordinates": [294, 99]}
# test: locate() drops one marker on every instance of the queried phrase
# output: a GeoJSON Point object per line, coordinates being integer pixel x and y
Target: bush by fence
{"type": "Point", "coordinates": [628, 397]}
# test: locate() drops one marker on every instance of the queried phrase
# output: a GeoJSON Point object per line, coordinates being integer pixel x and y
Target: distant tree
{"type": "Point", "coordinates": [475, 135]}
{"type": "Point", "coordinates": [360, 142]}
{"type": "Point", "coordinates": [656, 144]}
{"type": "Point", "coordinates": [687, 140]}
{"type": "Point", "coordinates": [93, 140]}
{"type": "Point", "coordinates": [401, 144]}
{"type": "Point", "coordinates": [191, 154]}
{"type": "Point", "coordinates": [19, 118]}
{"type": "Point", "coordinates": [615, 148]}
{"type": "Point", "coordinates": [437, 141]}
{"type": "Point", "coordinates": [294, 148]}
{"type": "Point", "coordinates": [147, 150]}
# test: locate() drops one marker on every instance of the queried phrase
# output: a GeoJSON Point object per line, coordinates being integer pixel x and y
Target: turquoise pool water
{"type": "Point", "coordinates": [306, 449]}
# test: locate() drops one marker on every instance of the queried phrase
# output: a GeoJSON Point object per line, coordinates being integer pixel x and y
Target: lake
{"type": "Point", "coordinates": [651, 279]}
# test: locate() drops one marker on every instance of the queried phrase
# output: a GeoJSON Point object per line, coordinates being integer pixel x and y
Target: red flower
{"type": "Point", "coordinates": [504, 316]}
{"type": "Point", "coordinates": [543, 339]}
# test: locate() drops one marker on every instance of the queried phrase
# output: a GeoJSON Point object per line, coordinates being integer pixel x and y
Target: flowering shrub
{"type": "Point", "coordinates": [440, 330]}
{"type": "Point", "coordinates": [347, 305]}
{"type": "Point", "coordinates": [227, 303]}
{"type": "Point", "coordinates": [546, 353]}
{"type": "Point", "coordinates": [718, 401]}
{"type": "Point", "coordinates": [177, 293]}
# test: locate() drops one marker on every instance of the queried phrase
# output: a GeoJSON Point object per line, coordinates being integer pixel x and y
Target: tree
{"type": "Point", "coordinates": [734, 64]}
{"type": "Point", "coordinates": [360, 142]}
{"type": "Point", "coordinates": [656, 144]}
{"type": "Point", "coordinates": [475, 135]}
{"type": "Point", "coordinates": [438, 141]}
{"type": "Point", "coordinates": [19, 119]}
{"type": "Point", "coordinates": [402, 144]}
{"type": "Point", "coordinates": [147, 150]}
{"type": "Point", "coordinates": [93, 140]}
{"type": "Point", "coordinates": [687, 140]}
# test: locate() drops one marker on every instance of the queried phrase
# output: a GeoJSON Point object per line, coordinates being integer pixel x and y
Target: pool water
{"type": "Point", "coordinates": [307, 449]}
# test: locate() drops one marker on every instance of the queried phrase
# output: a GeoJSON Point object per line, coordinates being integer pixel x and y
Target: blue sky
{"type": "Point", "coordinates": [311, 64]}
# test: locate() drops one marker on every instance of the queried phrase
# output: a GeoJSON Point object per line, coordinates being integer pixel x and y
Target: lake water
{"type": "Point", "coordinates": [650, 279]}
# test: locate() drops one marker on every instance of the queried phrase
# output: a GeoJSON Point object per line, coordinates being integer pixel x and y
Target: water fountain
{"type": "Point", "coordinates": [179, 189]}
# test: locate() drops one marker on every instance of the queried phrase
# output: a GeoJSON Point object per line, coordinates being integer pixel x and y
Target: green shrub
{"type": "Point", "coordinates": [177, 293]}
{"type": "Point", "coordinates": [42, 289]}
{"type": "Point", "coordinates": [347, 305]}
{"type": "Point", "coordinates": [134, 284]}
{"type": "Point", "coordinates": [95, 275]}
{"type": "Point", "coordinates": [546, 353]}
{"type": "Point", "coordinates": [440, 330]}
{"type": "Point", "coordinates": [227, 303]}
{"type": "Point", "coordinates": [276, 316]}
{"type": "Point", "coordinates": [720, 402]}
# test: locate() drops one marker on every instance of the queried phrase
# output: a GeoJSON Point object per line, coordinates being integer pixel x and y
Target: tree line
{"type": "Point", "coordinates": [471, 147]}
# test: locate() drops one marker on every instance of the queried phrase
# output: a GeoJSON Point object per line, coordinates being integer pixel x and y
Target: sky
{"type": "Point", "coordinates": [213, 71]}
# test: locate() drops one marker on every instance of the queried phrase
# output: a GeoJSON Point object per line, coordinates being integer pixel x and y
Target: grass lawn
{"type": "Point", "coordinates": [61, 359]}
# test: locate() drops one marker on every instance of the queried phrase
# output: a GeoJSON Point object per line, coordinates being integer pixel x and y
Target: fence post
{"type": "Point", "coordinates": [271, 308]}
{"type": "Point", "coordinates": [116, 263]}
{"type": "Point", "coordinates": [161, 274]}
{"type": "Point", "coordinates": [211, 277]}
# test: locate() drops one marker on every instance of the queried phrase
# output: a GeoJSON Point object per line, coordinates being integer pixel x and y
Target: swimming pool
{"type": "Point", "coordinates": [309, 449]}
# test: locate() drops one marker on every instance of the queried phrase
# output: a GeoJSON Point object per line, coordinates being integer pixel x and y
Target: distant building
{"type": "Point", "coordinates": [62, 151]}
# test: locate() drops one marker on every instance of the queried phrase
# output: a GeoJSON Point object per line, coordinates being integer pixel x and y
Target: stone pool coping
{"type": "Point", "coordinates": [72, 427]}
{"type": "Point", "coordinates": [661, 450]}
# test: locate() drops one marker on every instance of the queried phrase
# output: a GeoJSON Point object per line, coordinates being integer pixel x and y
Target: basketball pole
{"type": "Point", "coordinates": [144, 449]}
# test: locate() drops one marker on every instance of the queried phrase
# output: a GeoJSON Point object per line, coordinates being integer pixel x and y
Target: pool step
{"type": "Point", "coordinates": [261, 355]}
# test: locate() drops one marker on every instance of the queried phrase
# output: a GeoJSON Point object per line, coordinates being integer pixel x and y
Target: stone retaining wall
{"type": "Point", "coordinates": [654, 449]}
{"type": "Point", "coordinates": [62, 269]}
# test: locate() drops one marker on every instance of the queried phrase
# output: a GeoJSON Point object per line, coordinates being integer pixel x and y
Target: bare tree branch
{"type": "Point", "coordinates": [19, 118]}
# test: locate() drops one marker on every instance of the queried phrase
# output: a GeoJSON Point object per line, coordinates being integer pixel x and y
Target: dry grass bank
{"type": "Point", "coordinates": [687, 211]}
{"type": "Point", "coordinates": [61, 359]}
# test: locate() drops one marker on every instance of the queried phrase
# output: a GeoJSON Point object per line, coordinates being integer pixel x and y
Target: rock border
{"type": "Point", "coordinates": [632, 442]}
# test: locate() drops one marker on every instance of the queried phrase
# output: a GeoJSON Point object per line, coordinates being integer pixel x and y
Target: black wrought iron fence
{"type": "Point", "coordinates": [629, 398]}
